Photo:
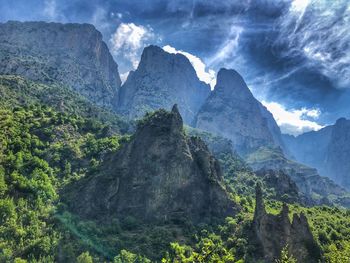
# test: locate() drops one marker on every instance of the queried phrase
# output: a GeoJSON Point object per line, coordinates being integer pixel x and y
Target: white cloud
{"type": "Point", "coordinates": [50, 9]}
{"type": "Point", "coordinates": [294, 121]}
{"type": "Point", "coordinates": [205, 74]}
{"type": "Point", "coordinates": [128, 41]}
{"type": "Point", "coordinates": [229, 48]}
{"type": "Point", "coordinates": [124, 76]}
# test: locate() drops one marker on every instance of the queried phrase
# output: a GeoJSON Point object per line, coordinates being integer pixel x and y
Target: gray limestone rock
{"type": "Point", "coordinates": [73, 55]}
{"type": "Point", "coordinates": [160, 81]}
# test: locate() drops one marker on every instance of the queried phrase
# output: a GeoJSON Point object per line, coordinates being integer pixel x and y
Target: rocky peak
{"type": "Point", "coordinates": [232, 112]}
{"type": "Point", "coordinates": [231, 82]}
{"type": "Point", "coordinates": [273, 232]}
{"type": "Point", "coordinates": [327, 150]}
{"type": "Point", "coordinates": [161, 80]}
{"type": "Point", "coordinates": [73, 55]}
{"type": "Point", "coordinates": [259, 202]}
{"type": "Point", "coordinates": [159, 175]}
{"type": "Point", "coordinates": [341, 121]}
{"type": "Point", "coordinates": [337, 156]}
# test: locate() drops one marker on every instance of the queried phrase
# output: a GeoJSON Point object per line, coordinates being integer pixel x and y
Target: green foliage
{"type": "Point", "coordinates": [84, 258]}
{"type": "Point", "coordinates": [286, 257]}
{"type": "Point", "coordinates": [128, 257]}
{"type": "Point", "coordinates": [41, 150]}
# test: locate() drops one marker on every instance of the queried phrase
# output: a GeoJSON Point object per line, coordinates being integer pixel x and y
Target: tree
{"type": "Point", "coordinates": [84, 258]}
{"type": "Point", "coordinates": [128, 257]}
{"type": "Point", "coordinates": [285, 257]}
{"type": "Point", "coordinates": [3, 186]}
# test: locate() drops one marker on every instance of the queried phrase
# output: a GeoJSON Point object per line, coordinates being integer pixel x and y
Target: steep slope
{"type": "Point", "coordinates": [317, 189]}
{"type": "Point", "coordinates": [160, 175]}
{"type": "Point", "coordinates": [337, 164]}
{"type": "Point", "coordinates": [274, 232]}
{"type": "Point", "coordinates": [73, 55]}
{"type": "Point", "coordinates": [161, 80]}
{"type": "Point", "coordinates": [328, 150]}
{"type": "Point", "coordinates": [232, 112]}
{"type": "Point", "coordinates": [241, 177]}
{"type": "Point", "coordinates": [17, 91]}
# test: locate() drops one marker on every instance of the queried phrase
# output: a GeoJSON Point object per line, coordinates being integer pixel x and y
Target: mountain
{"type": "Point", "coordinates": [272, 233]}
{"type": "Point", "coordinates": [160, 175]}
{"type": "Point", "coordinates": [72, 55]}
{"type": "Point", "coordinates": [328, 150]}
{"type": "Point", "coordinates": [316, 189]}
{"type": "Point", "coordinates": [160, 81]}
{"type": "Point", "coordinates": [232, 111]}
{"type": "Point", "coordinates": [16, 91]}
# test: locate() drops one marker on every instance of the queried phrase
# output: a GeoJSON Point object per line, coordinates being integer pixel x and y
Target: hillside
{"type": "Point", "coordinates": [71, 55]}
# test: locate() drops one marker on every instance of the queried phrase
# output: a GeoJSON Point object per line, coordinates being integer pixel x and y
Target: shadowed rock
{"type": "Point", "coordinates": [72, 55]}
{"type": "Point", "coordinates": [161, 80]}
{"type": "Point", "coordinates": [159, 175]}
{"type": "Point", "coordinates": [273, 232]}
{"type": "Point", "coordinates": [232, 111]}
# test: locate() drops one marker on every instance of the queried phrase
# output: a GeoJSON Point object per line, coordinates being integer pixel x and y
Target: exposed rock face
{"type": "Point", "coordinates": [232, 112]}
{"type": "Point", "coordinates": [337, 162]}
{"type": "Point", "coordinates": [161, 80]}
{"type": "Point", "coordinates": [274, 232]}
{"type": "Point", "coordinates": [315, 188]}
{"type": "Point", "coordinates": [73, 55]}
{"type": "Point", "coordinates": [159, 175]}
{"type": "Point", "coordinates": [328, 150]}
{"type": "Point", "coordinates": [284, 187]}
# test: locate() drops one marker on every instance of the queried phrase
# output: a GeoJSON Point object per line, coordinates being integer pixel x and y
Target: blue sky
{"type": "Point", "coordinates": [294, 54]}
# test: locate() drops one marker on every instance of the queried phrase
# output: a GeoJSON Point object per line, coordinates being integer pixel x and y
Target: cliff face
{"type": "Point", "coordinates": [274, 232]}
{"type": "Point", "coordinates": [284, 187]}
{"type": "Point", "coordinates": [315, 188]}
{"type": "Point", "coordinates": [337, 161]}
{"type": "Point", "coordinates": [73, 55]}
{"type": "Point", "coordinates": [160, 81]}
{"type": "Point", "coordinates": [328, 150]}
{"type": "Point", "coordinates": [232, 111]}
{"type": "Point", "coordinates": [159, 175]}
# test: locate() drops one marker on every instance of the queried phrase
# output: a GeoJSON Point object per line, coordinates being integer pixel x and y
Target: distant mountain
{"type": "Point", "coordinates": [73, 55]}
{"type": "Point", "coordinates": [317, 189]}
{"type": "Point", "coordinates": [160, 175]}
{"type": "Point", "coordinates": [328, 150]}
{"type": "Point", "coordinates": [161, 80]}
{"type": "Point", "coordinates": [232, 111]}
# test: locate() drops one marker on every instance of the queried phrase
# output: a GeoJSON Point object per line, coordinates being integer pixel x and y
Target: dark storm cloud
{"type": "Point", "coordinates": [294, 52]}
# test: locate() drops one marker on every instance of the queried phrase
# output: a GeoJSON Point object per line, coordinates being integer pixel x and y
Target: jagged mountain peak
{"type": "Point", "coordinates": [231, 111]}
{"type": "Point", "coordinates": [341, 121]}
{"type": "Point", "coordinates": [161, 80]}
{"type": "Point", "coordinates": [231, 82]}
{"type": "Point", "coordinates": [159, 175]}
{"type": "Point", "coordinates": [273, 232]}
{"type": "Point", "coordinates": [72, 55]}
{"type": "Point", "coordinates": [152, 55]}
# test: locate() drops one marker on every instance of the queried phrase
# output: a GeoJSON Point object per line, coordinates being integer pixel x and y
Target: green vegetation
{"type": "Point", "coordinates": [17, 91]}
{"type": "Point", "coordinates": [44, 148]}
{"type": "Point", "coordinates": [41, 150]}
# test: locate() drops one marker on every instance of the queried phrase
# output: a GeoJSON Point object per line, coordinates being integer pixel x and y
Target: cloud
{"type": "Point", "coordinates": [50, 9]}
{"type": "Point", "coordinates": [294, 121]}
{"type": "Point", "coordinates": [205, 74]}
{"type": "Point", "coordinates": [228, 48]}
{"type": "Point", "coordinates": [318, 31]}
{"type": "Point", "coordinates": [128, 41]}
{"type": "Point", "coordinates": [124, 76]}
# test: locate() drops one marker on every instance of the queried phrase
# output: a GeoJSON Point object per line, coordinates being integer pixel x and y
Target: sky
{"type": "Point", "coordinates": [293, 54]}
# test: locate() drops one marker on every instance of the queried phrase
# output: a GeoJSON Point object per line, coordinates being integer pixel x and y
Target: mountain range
{"type": "Point", "coordinates": [159, 158]}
